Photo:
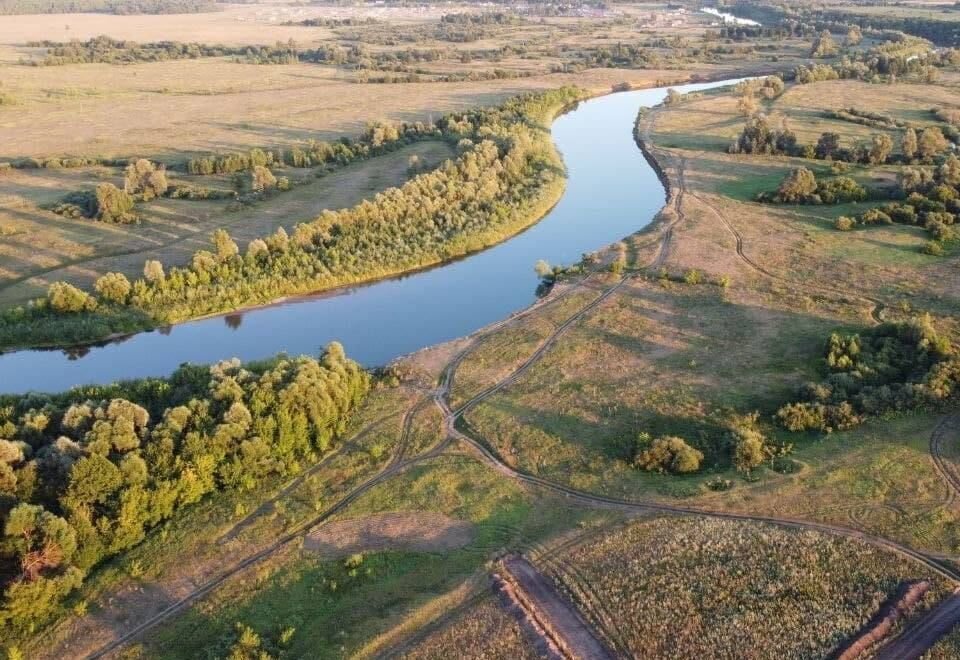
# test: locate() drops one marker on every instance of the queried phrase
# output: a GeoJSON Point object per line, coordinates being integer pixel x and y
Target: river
{"type": "Point", "coordinates": [729, 18]}
{"type": "Point", "coordinates": [611, 192]}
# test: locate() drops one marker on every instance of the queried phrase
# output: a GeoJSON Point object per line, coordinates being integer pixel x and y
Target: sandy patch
{"type": "Point", "coordinates": [419, 531]}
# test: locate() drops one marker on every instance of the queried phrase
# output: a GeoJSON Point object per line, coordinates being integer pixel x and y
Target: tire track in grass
{"type": "Point", "coordinates": [491, 458]}
{"type": "Point", "coordinates": [918, 638]}
{"type": "Point", "coordinates": [876, 306]}
{"type": "Point", "coordinates": [947, 428]}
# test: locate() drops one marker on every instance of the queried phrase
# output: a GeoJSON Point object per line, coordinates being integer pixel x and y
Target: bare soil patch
{"type": "Point", "coordinates": [418, 531]}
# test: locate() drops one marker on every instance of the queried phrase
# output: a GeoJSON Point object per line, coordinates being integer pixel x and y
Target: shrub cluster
{"type": "Point", "coordinates": [802, 187]}
{"type": "Point", "coordinates": [105, 203]}
{"type": "Point", "coordinates": [894, 367]}
{"type": "Point", "coordinates": [866, 118]}
{"type": "Point", "coordinates": [931, 199]}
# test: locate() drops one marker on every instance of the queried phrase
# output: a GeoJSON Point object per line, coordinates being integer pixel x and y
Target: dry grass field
{"type": "Point", "coordinates": [685, 588]}
{"type": "Point", "coordinates": [484, 631]}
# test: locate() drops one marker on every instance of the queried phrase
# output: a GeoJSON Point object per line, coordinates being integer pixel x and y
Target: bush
{"type": "Point", "coordinates": [939, 230]}
{"type": "Point", "coordinates": [933, 248]}
{"type": "Point", "coordinates": [669, 454]}
{"type": "Point", "coordinates": [785, 465]}
{"type": "Point", "coordinates": [875, 217]}
{"type": "Point", "coordinates": [113, 287]}
{"type": "Point", "coordinates": [66, 298]}
{"type": "Point", "coordinates": [843, 223]}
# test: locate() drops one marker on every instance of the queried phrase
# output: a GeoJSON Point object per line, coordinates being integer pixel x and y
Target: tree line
{"type": "Point", "coordinates": [87, 474]}
{"type": "Point", "coordinates": [107, 6]}
{"type": "Point", "coordinates": [106, 50]}
{"type": "Point", "coordinates": [377, 139]}
{"type": "Point", "coordinates": [506, 176]}
{"type": "Point", "coordinates": [808, 17]}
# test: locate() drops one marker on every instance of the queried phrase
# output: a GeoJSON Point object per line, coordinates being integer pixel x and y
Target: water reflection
{"type": "Point", "coordinates": [233, 321]}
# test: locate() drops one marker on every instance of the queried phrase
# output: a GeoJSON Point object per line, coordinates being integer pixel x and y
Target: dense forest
{"type": "Point", "coordinates": [942, 33]}
{"type": "Point", "coordinates": [506, 176]}
{"type": "Point", "coordinates": [106, 6]}
{"type": "Point", "coordinates": [85, 475]}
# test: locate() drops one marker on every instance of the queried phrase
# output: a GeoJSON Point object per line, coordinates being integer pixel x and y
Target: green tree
{"type": "Point", "coordinates": [908, 144]}
{"type": "Point", "coordinates": [824, 45]}
{"type": "Point", "coordinates": [931, 143]}
{"type": "Point", "coordinates": [153, 271]}
{"type": "Point", "coordinates": [225, 246]}
{"type": "Point", "coordinates": [42, 540]}
{"type": "Point", "coordinates": [798, 186]}
{"type": "Point", "coordinates": [262, 179]}
{"type": "Point", "coordinates": [749, 445]}
{"type": "Point", "coordinates": [854, 36]}
{"type": "Point", "coordinates": [881, 145]}
{"type": "Point", "coordinates": [66, 298]}
{"type": "Point", "coordinates": [747, 105]}
{"type": "Point", "coordinates": [827, 145]}
{"type": "Point", "coordinates": [145, 179]}
{"type": "Point", "coordinates": [93, 480]}
{"type": "Point", "coordinates": [113, 287]}
{"type": "Point", "coordinates": [950, 171]}
{"type": "Point", "coordinates": [112, 204]}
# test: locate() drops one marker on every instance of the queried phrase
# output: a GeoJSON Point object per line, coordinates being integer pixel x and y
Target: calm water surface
{"type": "Point", "coordinates": [611, 192]}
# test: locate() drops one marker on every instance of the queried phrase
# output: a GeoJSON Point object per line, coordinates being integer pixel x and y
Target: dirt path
{"type": "Point", "coordinates": [876, 306]}
{"type": "Point", "coordinates": [879, 627]}
{"type": "Point", "coordinates": [560, 622]}
{"type": "Point", "coordinates": [918, 638]}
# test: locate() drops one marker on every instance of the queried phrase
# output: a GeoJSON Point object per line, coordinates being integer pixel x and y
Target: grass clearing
{"type": "Point", "coordinates": [304, 591]}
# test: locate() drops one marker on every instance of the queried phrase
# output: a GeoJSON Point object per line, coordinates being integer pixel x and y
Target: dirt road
{"type": "Point", "coordinates": [918, 638]}
{"type": "Point", "coordinates": [554, 614]}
